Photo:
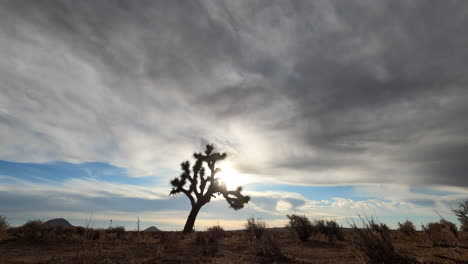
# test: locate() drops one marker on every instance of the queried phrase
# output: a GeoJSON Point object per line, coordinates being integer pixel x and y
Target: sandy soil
{"type": "Point", "coordinates": [236, 248]}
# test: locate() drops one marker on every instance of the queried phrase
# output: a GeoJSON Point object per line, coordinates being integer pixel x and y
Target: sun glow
{"type": "Point", "coordinates": [230, 176]}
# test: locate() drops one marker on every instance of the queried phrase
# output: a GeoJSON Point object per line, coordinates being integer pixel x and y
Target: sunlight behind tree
{"type": "Point", "coordinates": [230, 176]}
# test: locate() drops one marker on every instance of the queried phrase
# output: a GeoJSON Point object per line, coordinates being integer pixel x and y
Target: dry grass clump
{"type": "Point", "coordinates": [442, 233]}
{"type": "Point", "coordinates": [301, 225]}
{"type": "Point", "coordinates": [374, 242]}
{"type": "Point", "coordinates": [262, 241]}
{"type": "Point", "coordinates": [407, 228]}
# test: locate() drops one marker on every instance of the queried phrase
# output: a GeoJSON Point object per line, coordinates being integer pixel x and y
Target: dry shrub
{"type": "Point", "coordinates": [3, 227]}
{"type": "Point", "coordinates": [80, 231]}
{"type": "Point", "coordinates": [269, 249]}
{"type": "Point", "coordinates": [374, 242]}
{"type": "Point", "coordinates": [262, 241]}
{"type": "Point", "coordinates": [15, 232]}
{"type": "Point", "coordinates": [33, 230]}
{"type": "Point", "coordinates": [442, 233]}
{"type": "Point", "coordinates": [255, 228]}
{"type": "Point", "coordinates": [301, 225]}
{"type": "Point", "coordinates": [59, 232]}
{"type": "Point", "coordinates": [464, 227]}
{"type": "Point", "coordinates": [462, 214]}
{"type": "Point", "coordinates": [169, 240]}
{"type": "Point", "coordinates": [216, 232]}
{"type": "Point", "coordinates": [118, 231]}
{"type": "Point", "coordinates": [94, 234]}
{"type": "Point", "coordinates": [56, 231]}
{"type": "Point", "coordinates": [407, 228]}
{"type": "Point", "coordinates": [330, 229]}
{"type": "Point", "coordinates": [69, 231]}
{"type": "Point", "coordinates": [209, 240]}
{"type": "Point", "coordinates": [451, 227]}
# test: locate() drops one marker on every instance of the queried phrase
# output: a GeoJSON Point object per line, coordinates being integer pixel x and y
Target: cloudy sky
{"type": "Point", "coordinates": [325, 108]}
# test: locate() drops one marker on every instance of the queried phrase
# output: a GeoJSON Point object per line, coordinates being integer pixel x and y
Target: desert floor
{"type": "Point", "coordinates": [234, 248]}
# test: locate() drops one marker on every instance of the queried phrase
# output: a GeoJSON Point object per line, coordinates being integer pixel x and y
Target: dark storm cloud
{"type": "Point", "coordinates": [334, 92]}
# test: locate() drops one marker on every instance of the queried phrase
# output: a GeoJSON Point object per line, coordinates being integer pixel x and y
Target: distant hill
{"type": "Point", "coordinates": [57, 222]}
{"type": "Point", "coordinates": [152, 229]}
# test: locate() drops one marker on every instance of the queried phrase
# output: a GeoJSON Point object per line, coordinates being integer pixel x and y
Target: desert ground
{"type": "Point", "coordinates": [104, 246]}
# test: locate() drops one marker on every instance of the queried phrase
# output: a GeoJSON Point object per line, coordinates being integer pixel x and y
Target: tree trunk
{"type": "Point", "coordinates": [191, 219]}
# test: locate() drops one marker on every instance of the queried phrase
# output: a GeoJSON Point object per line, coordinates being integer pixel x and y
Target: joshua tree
{"type": "Point", "coordinates": [201, 187]}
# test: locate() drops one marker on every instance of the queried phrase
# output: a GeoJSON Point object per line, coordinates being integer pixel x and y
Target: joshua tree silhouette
{"type": "Point", "coordinates": [202, 187]}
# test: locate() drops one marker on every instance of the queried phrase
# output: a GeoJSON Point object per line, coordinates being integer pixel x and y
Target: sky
{"type": "Point", "coordinates": [327, 109]}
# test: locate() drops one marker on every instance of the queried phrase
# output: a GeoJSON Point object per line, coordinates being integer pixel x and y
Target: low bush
{"type": "Point", "coordinates": [464, 227]}
{"type": "Point", "coordinates": [33, 230]}
{"type": "Point", "coordinates": [451, 227]}
{"type": "Point", "coordinates": [94, 234]}
{"type": "Point", "coordinates": [15, 232]}
{"type": "Point", "coordinates": [255, 228]}
{"type": "Point", "coordinates": [407, 228]}
{"type": "Point", "coordinates": [169, 240]}
{"type": "Point", "coordinates": [333, 231]}
{"type": "Point", "coordinates": [216, 232]}
{"type": "Point", "coordinates": [441, 233]}
{"type": "Point", "coordinates": [262, 241]}
{"type": "Point", "coordinates": [374, 242]}
{"type": "Point", "coordinates": [118, 231]}
{"type": "Point", "coordinates": [80, 231]}
{"type": "Point", "coordinates": [209, 240]}
{"type": "Point", "coordinates": [462, 214]}
{"type": "Point", "coordinates": [3, 227]}
{"type": "Point", "coordinates": [58, 232]}
{"type": "Point", "coordinates": [301, 225]}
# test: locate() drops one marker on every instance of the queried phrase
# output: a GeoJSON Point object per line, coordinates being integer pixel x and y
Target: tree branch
{"type": "Point", "coordinates": [186, 192]}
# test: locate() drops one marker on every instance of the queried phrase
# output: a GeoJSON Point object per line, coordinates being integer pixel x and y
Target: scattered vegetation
{"type": "Point", "coordinates": [407, 228]}
{"type": "Point", "coordinates": [374, 242]}
{"type": "Point", "coordinates": [371, 242]}
{"type": "Point", "coordinates": [301, 225]}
